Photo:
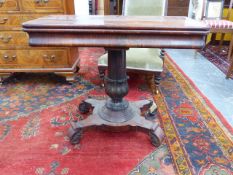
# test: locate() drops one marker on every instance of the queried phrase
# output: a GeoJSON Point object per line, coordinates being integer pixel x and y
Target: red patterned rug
{"type": "Point", "coordinates": [36, 110]}
{"type": "Point", "coordinates": [217, 57]}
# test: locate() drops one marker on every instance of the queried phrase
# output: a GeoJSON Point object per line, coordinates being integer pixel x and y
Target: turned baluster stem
{"type": "Point", "coordinates": [116, 81]}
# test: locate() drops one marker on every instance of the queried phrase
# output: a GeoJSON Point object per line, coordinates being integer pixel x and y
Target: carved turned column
{"type": "Point", "coordinates": [116, 81]}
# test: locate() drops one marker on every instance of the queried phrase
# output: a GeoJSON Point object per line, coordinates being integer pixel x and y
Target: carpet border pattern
{"type": "Point", "coordinates": [211, 117]}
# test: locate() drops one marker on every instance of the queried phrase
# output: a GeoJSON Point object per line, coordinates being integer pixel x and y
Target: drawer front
{"type": "Point", "coordinates": [9, 5]}
{"type": "Point", "coordinates": [178, 3]}
{"type": "Point", "coordinates": [8, 57]}
{"type": "Point", "coordinates": [9, 21]}
{"type": "Point", "coordinates": [13, 39]}
{"type": "Point", "coordinates": [52, 58]}
{"type": "Point", "coordinates": [14, 21]}
{"type": "Point", "coordinates": [34, 58]}
{"type": "Point", "coordinates": [43, 6]}
{"type": "Point", "coordinates": [178, 11]}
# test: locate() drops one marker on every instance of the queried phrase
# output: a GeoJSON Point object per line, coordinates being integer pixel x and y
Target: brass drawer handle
{"type": "Point", "coordinates": [51, 58]}
{"type": "Point", "coordinates": [2, 2]}
{"type": "Point", "coordinates": [41, 1]}
{"type": "Point", "coordinates": [5, 39]}
{"type": "Point", "coordinates": [3, 21]}
{"type": "Point", "coordinates": [8, 58]}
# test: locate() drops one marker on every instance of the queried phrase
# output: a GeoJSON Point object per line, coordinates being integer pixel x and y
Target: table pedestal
{"type": "Point", "coordinates": [116, 112]}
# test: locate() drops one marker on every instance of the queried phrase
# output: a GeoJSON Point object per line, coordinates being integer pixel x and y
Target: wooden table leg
{"type": "Point", "coordinates": [230, 49]}
{"type": "Point", "coordinates": [116, 111]}
{"type": "Point", "coordinates": [230, 69]}
{"type": "Point", "coordinates": [230, 58]}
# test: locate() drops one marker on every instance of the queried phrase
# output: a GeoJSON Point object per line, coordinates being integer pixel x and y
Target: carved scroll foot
{"type": "Point", "coordinates": [75, 135]}
{"type": "Point", "coordinates": [156, 135]}
{"type": "Point", "coordinates": [152, 128]}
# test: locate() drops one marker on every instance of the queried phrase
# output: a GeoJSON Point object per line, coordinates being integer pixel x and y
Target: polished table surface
{"type": "Point", "coordinates": [116, 22]}
{"type": "Point", "coordinates": [117, 31]}
{"type": "Point", "coordinates": [116, 34]}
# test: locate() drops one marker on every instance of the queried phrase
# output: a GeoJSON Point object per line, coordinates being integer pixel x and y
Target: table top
{"type": "Point", "coordinates": [116, 31]}
{"type": "Point", "coordinates": [117, 22]}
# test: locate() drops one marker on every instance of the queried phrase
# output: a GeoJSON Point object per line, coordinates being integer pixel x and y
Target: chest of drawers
{"type": "Point", "coordinates": [15, 53]}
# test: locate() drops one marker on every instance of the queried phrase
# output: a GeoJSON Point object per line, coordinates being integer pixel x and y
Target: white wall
{"type": "Point", "coordinates": [81, 7]}
{"type": "Point", "coordinates": [199, 9]}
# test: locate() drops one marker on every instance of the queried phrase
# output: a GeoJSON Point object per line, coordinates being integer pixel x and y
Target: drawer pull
{"type": "Point", "coordinates": [41, 1]}
{"type": "Point", "coordinates": [8, 58]}
{"type": "Point", "coordinates": [3, 21]}
{"type": "Point", "coordinates": [51, 58]}
{"type": "Point", "coordinates": [2, 2]}
{"type": "Point", "coordinates": [6, 39]}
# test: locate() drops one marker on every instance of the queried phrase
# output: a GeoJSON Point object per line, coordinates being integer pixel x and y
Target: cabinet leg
{"type": "Point", "coordinates": [3, 76]}
{"type": "Point", "coordinates": [69, 76]}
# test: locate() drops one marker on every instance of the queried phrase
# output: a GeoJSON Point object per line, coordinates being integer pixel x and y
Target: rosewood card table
{"type": "Point", "coordinates": [116, 34]}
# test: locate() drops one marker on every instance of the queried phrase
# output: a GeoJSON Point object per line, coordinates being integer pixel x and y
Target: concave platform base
{"type": "Point", "coordinates": [102, 116]}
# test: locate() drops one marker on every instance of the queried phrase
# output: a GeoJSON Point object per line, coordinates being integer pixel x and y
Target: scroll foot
{"type": "Point", "coordinates": [75, 135]}
{"type": "Point", "coordinates": [156, 136]}
{"type": "Point", "coordinates": [151, 113]}
{"type": "Point", "coordinates": [84, 107]}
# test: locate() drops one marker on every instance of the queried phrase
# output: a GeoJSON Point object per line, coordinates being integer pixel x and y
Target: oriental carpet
{"type": "Point", "coordinates": [36, 109]}
{"type": "Point", "coordinates": [217, 57]}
